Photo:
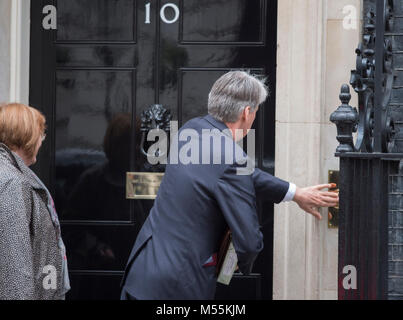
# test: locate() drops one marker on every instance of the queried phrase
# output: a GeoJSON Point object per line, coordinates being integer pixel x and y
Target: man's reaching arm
{"type": "Point", "coordinates": [270, 188]}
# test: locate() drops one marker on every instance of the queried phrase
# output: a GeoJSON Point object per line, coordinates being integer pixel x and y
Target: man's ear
{"type": "Point", "coordinates": [246, 112]}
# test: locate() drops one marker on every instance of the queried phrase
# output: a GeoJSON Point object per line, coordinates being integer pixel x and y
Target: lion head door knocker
{"type": "Point", "coordinates": [155, 118]}
{"type": "Point", "coordinates": [154, 147]}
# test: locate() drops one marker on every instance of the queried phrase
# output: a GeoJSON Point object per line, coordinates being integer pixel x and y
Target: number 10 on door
{"type": "Point", "coordinates": [163, 11]}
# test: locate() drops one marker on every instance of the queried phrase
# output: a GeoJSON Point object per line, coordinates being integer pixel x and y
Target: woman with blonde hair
{"type": "Point", "coordinates": [33, 263]}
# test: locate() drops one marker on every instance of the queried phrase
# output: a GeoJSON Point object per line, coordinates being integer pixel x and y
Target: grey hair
{"type": "Point", "coordinates": [233, 92]}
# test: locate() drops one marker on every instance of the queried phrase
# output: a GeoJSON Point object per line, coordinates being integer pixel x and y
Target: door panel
{"type": "Point", "coordinates": [97, 247]}
{"type": "Point", "coordinates": [96, 20]}
{"type": "Point", "coordinates": [123, 56]}
{"type": "Point", "coordinates": [211, 38]}
{"type": "Point", "coordinates": [92, 106]}
{"type": "Point", "coordinates": [202, 21]}
{"type": "Point", "coordinates": [96, 74]}
{"type": "Point", "coordinates": [95, 285]}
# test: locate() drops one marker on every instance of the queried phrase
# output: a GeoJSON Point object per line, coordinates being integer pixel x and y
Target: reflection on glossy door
{"type": "Point", "coordinates": [107, 62]}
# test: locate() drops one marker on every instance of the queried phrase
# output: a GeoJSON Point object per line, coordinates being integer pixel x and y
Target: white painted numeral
{"type": "Point", "coordinates": [162, 13]}
{"type": "Point", "coordinates": [175, 8]}
{"type": "Point", "coordinates": [148, 9]}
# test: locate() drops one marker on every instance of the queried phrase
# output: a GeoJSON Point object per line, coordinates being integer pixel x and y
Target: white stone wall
{"type": "Point", "coordinates": [5, 32]}
{"type": "Point", "coordinates": [14, 50]}
{"type": "Point", "coordinates": [315, 56]}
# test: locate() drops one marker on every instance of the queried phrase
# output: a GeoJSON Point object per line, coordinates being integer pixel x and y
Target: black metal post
{"type": "Point", "coordinates": [379, 57]}
{"type": "Point", "coordinates": [367, 165]}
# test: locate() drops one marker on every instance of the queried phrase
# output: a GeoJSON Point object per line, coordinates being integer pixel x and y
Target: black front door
{"type": "Point", "coordinates": [109, 60]}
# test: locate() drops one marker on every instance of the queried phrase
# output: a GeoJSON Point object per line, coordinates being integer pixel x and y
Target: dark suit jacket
{"type": "Point", "coordinates": [194, 206]}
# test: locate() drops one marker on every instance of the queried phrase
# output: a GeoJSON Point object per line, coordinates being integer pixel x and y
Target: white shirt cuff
{"type": "Point", "coordinates": [291, 193]}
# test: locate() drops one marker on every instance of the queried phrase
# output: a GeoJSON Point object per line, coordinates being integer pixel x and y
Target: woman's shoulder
{"type": "Point", "coordinates": [12, 179]}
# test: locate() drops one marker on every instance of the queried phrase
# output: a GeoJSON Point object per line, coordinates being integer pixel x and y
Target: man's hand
{"type": "Point", "coordinates": [310, 198]}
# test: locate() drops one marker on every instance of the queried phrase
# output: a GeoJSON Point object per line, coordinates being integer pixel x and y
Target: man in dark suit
{"type": "Point", "coordinates": [202, 195]}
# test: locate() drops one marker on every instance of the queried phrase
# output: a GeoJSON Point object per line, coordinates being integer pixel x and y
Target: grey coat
{"type": "Point", "coordinates": [28, 236]}
{"type": "Point", "coordinates": [195, 204]}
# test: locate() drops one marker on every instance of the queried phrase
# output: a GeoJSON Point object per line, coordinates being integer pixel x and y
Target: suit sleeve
{"type": "Point", "coordinates": [236, 198]}
{"type": "Point", "coordinates": [16, 263]}
{"type": "Point", "coordinates": [268, 187]}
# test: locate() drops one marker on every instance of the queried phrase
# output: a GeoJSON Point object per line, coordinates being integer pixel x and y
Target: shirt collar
{"type": "Point", "coordinates": [219, 125]}
{"type": "Point", "coordinates": [216, 123]}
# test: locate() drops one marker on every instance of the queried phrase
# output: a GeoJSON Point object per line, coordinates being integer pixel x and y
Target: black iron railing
{"type": "Point", "coordinates": [367, 161]}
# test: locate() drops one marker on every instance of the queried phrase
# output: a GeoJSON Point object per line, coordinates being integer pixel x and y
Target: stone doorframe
{"type": "Point", "coordinates": [315, 53]}
{"type": "Point", "coordinates": [14, 46]}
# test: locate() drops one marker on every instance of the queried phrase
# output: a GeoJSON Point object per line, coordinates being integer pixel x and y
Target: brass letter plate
{"type": "Point", "coordinates": [143, 185]}
{"type": "Point", "coordinates": [333, 213]}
